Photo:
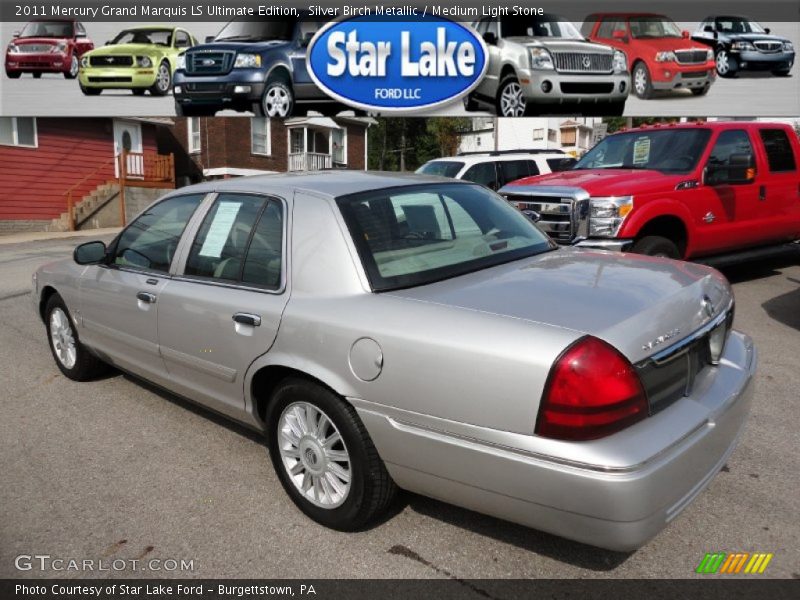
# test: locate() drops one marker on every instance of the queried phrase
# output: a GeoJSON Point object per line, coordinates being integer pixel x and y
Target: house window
{"type": "Point", "coordinates": [18, 131]}
{"type": "Point", "coordinates": [339, 141]}
{"type": "Point", "coordinates": [538, 134]}
{"type": "Point", "coordinates": [260, 138]}
{"type": "Point", "coordinates": [193, 127]}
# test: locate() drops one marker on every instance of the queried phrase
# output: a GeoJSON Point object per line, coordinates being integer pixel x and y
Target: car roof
{"type": "Point", "coordinates": [708, 125]}
{"type": "Point", "coordinates": [332, 183]}
{"type": "Point", "coordinates": [475, 158]}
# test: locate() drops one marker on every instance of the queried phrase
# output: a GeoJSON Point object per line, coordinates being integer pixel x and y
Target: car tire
{"type": "Point", "coordinates": [332, 473]}
{"type": "Point", "coordinates": [510, 100]}
{"type": "Point", "coordinates": [90, 91]}
{"type": "Point", "coordinates": [37, 75]}
{"type": "Point", "coordinates": [655, 245]}
{"type": "Point", "coordinates": [194, 111]}
{"type": "Point", "coordinates": [13, 74]}
{"type": "Point", "coordinates": [641, 81]}
{"type": "Point", "coordinates": [139, 91]}
{"type": "Point", "coordinates": [72, 358]}
{"type": "Point", "coordinates": [163, 82]}
{"type": "Point", "coordinates": [727, 65]}
{"type": "Point", "coordinates": [74, 67]}
{"type": "Point", "coordinates": [470, 104]}
{"type": "Point", "coordinates": [701, 91]}
{"type": "Point", "coordinates": [276, 101]}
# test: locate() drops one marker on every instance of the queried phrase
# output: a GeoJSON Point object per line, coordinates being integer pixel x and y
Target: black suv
{"type": "Point", "coordinates": [740, 43]}
{"type": "Point", "coordinates": [257, 66]}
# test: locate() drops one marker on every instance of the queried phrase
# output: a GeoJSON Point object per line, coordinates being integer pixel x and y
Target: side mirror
{"type": "Point", "coordinates": [490, 38]}
{"type": "Point", "coordinates": [15, 34]}
{"type": "Point", "coordinates": [685, 34]}
{"type": "Point", "coordinates": [740, 169]}
{"type": "Point", "coordinates": [620, 36]}
{"type": "Point", "coordinates": [210, 38]}
{"type": "Point", "coordinates": [766, 30]}
{"type": "Point", "coordinates": [90, 253]}
{"type": "Point", "coordinates": [708, 29]}
{"type": "Point", "coordinates": [80, 35]}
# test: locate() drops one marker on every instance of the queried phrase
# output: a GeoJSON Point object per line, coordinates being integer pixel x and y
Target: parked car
{"type": "Point", "coordinates": [539, 63]}
{"type": "Point", "coordinates": [257, 66]}
{"type": "Point", "coordinates": [379, 329]}
{"type": "Point", "coordinates": [138, 59]}
{"type": "Point", "coordinates": [742, 44]}
{"type": "Point", "coordinates": [660, 55]}
{"type": "Point", "coordinates": [51, 46]}
{"type": "Point", "coordinates": [683, 191]}
{"type": "Point", "coordinates": [494, 169]}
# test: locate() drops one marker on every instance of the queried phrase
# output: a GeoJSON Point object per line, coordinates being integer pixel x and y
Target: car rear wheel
{"type": "Point", "coordinates": [325, 458]}
{"type": "Point", "coordinates": [163, 81]}
{"type": "Point", "coordinates": [511, 101]}
{"type": "Point", "coordinates": [727, 65]}
{"type": "Point", "coordinates": [277, 101]}
{"type": "Point", "coordinates": [655, 245]}
{"type": "Point", "coordinates": [74, 66]}
{"type": "Point", "coordinates": [72, 358]}
{"type": "Point", "coordinates": [642, 84]}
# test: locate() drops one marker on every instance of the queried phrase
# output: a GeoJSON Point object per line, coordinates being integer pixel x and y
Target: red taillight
{"type": "Point", "coordinates": [592, 391]}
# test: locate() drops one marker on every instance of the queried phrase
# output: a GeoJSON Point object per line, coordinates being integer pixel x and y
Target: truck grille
{"type": "Point", "coordinates": [209, 62]}
{"type": "Point", "coordinates": [582, 62]}
{"type": "Point", "coordinates": [562, 218]}
{"type": "Point", "coordinates": [691, 57]}
{"type": "Point", "coordinates": [111, 61]}
{"type": "Point", "coordinates": [768, 47]}
{"type": "Point", "coordinates": [34, 48]}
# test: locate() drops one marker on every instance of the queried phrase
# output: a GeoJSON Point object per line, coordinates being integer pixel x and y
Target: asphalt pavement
{"type": "Point", "coordinates": [113, 469]}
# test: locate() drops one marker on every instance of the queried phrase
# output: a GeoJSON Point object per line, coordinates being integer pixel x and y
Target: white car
{"type": "Point", "coordinates": [497, 168]}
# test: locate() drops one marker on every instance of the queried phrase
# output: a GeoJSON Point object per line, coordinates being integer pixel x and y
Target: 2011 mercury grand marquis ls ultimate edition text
{"type": "Point", "coordinates": [416, 332]}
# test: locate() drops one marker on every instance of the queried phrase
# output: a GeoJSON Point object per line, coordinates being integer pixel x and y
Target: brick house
{"type": "Point", "coordinates": [222, 147]}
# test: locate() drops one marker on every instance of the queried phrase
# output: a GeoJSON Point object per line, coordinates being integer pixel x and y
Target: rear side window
{"type": "Point", "coordinates": [482, 173]}
{"type": "Point", "coordinates": [517, 169]}
{"type": "Point", "coordinates": [240, 240]}
{"type": "Point", "coordinates": [780, 155]}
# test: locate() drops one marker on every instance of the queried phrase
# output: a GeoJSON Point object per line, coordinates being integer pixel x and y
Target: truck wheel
{"type": "Point", "coordinates": [163, 81]}
{"type": "Point", "coordinates": [655, 245]}
{"type": "Point", "coordinates": [90, 91]}
{"type": "Point", "coordinates": [701, 91]}
{"type": "Point", "coordinates": [511, 101]}
{"type": "Point", "coordinates": [72, 357]}
{"type": "Point", "coordinates": [74, 67]}
{"type": "Point", "coordinates": [277, 101]}
{"type": "Point", "coordinates": [727, 65]}
{"type": "Point", "coordinates": [13, 74]}
{"type": "Point", "coordinates": [325, 458]}
{"type": "Point", "coordinates": [470, 103]}
{"type": "Point", "coordinates": [642, 84]}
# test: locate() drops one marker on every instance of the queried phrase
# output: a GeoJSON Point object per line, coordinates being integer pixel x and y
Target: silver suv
{"type": "Point", "coordinates": [544, 60]}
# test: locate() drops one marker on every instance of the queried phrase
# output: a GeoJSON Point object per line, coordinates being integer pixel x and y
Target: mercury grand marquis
{"type": "Point", "coordinates": [411, 332]}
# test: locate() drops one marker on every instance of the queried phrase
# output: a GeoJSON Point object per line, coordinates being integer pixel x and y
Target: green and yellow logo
{"type": "Point", "coordinates": [734, 563]}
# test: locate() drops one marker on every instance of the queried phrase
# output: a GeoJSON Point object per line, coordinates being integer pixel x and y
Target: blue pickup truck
{"type": "Point", "coordinates": [257, 66]}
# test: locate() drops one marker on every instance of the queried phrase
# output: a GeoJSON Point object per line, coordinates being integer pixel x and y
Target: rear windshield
{"type": "Point", "coordinates": [443, 168]}
{"type": "Point", "coordinates": [561, 164]}
{"type": "Point", "coordinates": [415, 235]}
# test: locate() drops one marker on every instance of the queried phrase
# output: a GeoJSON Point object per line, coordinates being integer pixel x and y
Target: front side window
{"type": "Point", "coordinates": [728, 144]}
{"type": "Point", "coordinates": [644, 28]}
{"type": "Point", "coordinates": [260, 137]}
{"type": "Point", "coordinates": [18, 131]}
{"type": "Point", "coordinates": [780, 155]}
{"type": "Point", "coordinates": [517, 169]}
{"type": "Point", "coordinates": [151, 240]}
{"type": "Point", "coordinates": [416, 235]}
{"type": "Point", "coordinates": [182, 39]}
{"type": "Point", "coordinates": [240, 240]}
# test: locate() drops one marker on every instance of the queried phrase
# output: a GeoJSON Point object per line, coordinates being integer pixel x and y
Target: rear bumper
{"type": "Point", "coordinates": [38, 63]}
{"type": "Point", "coordinates": [617, 500]}
{"type": "Point", "coordinates": [671, 76]}
{"type": "Point", "coordinates": [580, 88]}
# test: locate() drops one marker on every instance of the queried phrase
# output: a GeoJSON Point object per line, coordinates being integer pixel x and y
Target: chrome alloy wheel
{"type": "Point", "coordinates": [314, 455]}
{"type": "Point", "coordinates": [512, 100]}
{"type": "Point", "coordinates": [640, 81]}
{"type": "Point", "coordinates": [63, 338]}
{"type": "Point", "coordinates": [723, 63]}
{"type": "Point", "coordinates": [163, 78]}
{"type": "Point", "coordinates": [277, 102]}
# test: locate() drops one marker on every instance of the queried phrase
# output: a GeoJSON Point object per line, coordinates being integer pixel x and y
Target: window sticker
{"type": "Point", "coordinates": [220, 229]}
{"type": "Point", "coordinates": [641, 151]}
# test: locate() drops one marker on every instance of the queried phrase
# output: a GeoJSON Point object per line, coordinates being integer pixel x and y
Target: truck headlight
{"type": "Point", "coordinates": [84, 61]}
{"type": "Point", "coordinates": [742, 46]}
{"type": "Point", "coordinates": [182, 61]}
{"type": "Point", "coordinates": [144, 62]}
{"type": "Point", "coordinates": [247, 61]}
{"type": "Point", "coordinates": [59, 48]}
{"type": "Point", "coordinates": [620, 62]}
{"type": "Point", "coordinates": [541, 59]}
{"type": "Point", "coordinates": [667, 56]}
{"type": "Point", "coordinates": [787, 46]}
{"type": "Point", "coordinates": [606, 215]}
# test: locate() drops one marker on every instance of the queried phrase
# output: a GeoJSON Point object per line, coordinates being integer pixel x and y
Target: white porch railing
{"type": "Point", "coordinates": [309, 161]}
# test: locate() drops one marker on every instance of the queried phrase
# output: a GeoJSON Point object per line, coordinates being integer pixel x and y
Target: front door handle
{"type": "Point", "coordinates": [146, 297]}
{"type": "Point", "coordinates": [247, 319]}
{"type": "Point", "coordinates": [762, 193]}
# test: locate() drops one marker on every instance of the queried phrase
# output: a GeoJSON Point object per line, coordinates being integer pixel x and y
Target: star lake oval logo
{"type": "Point", "coordinates": [389, 64]}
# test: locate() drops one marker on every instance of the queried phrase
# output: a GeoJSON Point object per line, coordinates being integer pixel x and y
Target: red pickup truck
{"type": "Point", "coordinates": [686, 191]}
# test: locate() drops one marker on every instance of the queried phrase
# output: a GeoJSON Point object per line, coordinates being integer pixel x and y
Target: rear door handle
{"type": "Point", "coordinates": [146, 297]}
{"type": "Point", "coordinates": [247, 319]}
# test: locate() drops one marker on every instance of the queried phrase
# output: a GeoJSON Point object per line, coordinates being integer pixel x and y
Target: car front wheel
{"type": "Point", "coordinates": [90, 91]}
{"type": "Point", "coordinates": [73, 68]}
{"type": "Point", "coordinates": [642, 84]}
{"type": "Point", "coordinates": [277, 101]}
{"type": "Point", "coordinates": [13, 74]}
{"type": "Point", "coordinates": [655, 245]}
{"type": "Point", "coordinates": [726, 64]}
{"type": "Point", "coordinates": [325, 458]}
{"type": "Point", "coordinates": [72, 357]}
{"type": "Point", "coordinates": [163, 81]}
{"type": "Point", "coordinates": [511, 101]}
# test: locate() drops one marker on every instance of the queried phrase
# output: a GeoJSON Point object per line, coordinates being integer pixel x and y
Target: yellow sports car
{"type": "Point", "coordinates": [138, 59]}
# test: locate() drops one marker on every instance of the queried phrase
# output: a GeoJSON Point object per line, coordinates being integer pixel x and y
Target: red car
{"type": "Point", "coordinates": [51, 46]}
{"type": "Point", "coordinates": [660, 55]}
{"type": "Point", "coordinates": [689, 191]}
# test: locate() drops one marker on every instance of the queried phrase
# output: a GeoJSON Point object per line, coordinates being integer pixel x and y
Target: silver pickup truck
{"type": "Point", "coordinates": [544, 61]}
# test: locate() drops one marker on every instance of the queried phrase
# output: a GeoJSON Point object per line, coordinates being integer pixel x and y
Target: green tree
{"type": "Point", "coordinates": [411, 142]}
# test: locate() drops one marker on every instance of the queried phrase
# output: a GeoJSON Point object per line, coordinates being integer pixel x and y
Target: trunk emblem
{"type": "Point", "coordinates": [661, 339]}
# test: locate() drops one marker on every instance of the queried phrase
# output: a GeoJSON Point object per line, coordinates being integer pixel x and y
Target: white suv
{"type": "Point", "coordinates": [496, 169]}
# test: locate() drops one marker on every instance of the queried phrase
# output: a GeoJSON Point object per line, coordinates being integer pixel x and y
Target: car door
{"type": "Point", "coordinates": [779, 189]}
{"type": "Point", "coordinates": [119, 299]}
{"type": "Point", "coordinates": [223, 308]}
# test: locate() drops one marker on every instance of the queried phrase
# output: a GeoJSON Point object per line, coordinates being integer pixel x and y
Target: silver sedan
{"type": "Point", "coordinates": [413, 332]}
